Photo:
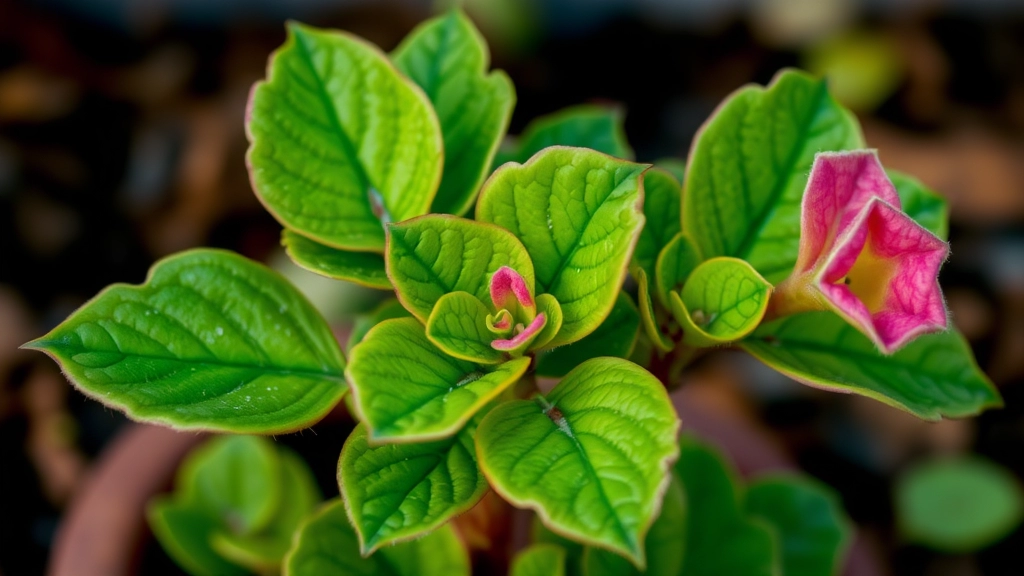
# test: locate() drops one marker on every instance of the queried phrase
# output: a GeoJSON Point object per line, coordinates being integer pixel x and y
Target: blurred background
{"type": "Point", "coordinates": [121, 141]}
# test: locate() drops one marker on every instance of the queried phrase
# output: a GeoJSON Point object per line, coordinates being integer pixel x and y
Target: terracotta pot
{"type": "Point", "coordinates": [104, 528]}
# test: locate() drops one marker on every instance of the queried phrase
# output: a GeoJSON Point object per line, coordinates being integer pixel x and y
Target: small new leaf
{"type": "Point", "coordinates": [723, 301]}
{"type": "Point", "coordinates": [676, 261]}
{"type": "Point", "coordinates": [662, 197]}
{"type": "Point", "coordinates": [458, 326]}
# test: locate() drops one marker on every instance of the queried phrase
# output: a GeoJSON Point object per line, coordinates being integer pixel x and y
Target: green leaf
{"type": "Point", "coordinates": [395, 492]}
{"type": "Point", "coordinates": [407, 390]}
{"type": "Point", "coordinates": [723, 301]}
{"type": "Point", "coordinates": [211, 341]}
{"type": "Point", "coordinates": [448, 58]}
{"type": "Point", "coordinates": [547, 304]}
{"type": "Point", "coordinates": [591, 458]}
{"type": "Point", "coordinates": [674, 166]}
{"type": "Point", "coordinates": [584, 126]}
{"type": "Point", "coordinates": [386, 310]}
{"type": "Point", "coordinates": [435, 255]}
{"type": "Point", "coordinates": [184, 530]}
{"type": "Point", "coordinates": [539, 560]}
{"type": "Point", "coordinates": [748, 169]}
{"type": "Point", "coordinates": [720, 539]}
{"type": "Point", "coordinates": [616, 337]}
{"type": "Point", "coordinates": [458, 326]}
{"type": "Point", "coordinates": [540, 534]}
{"type": "Point", "coordinates": [958, 505]}
{"type": "Point", "coordinates": [664, 543]}
{"type": "Point", "coordinates": [662, 196]}
{"type": "Point", "coordinates": [933, 376]}
{"type": "Point", "coordinates": [648, 316]}
{"type": "Point", "coordinates": [364, 268]}
{"type": "Point", "coordinates": [673, 267]}
{"type": "Point", "coordinates": [327, 544]}
{"type": "Point", "coordinates": [578, 212]}
{"type": "Point", "coordinates": [813, 530]}
{"type": "Point", "coordinates": [922, 203]}
{"type": "Point", "coordinates": [340, 141]}
{"type": "Point", "coordinates": [236, 479]}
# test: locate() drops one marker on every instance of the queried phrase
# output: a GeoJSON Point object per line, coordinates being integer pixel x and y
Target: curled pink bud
{"type": "Point", "coordinates": [508, 289]}
{"type": "Point", "coordinates": [523, 337]}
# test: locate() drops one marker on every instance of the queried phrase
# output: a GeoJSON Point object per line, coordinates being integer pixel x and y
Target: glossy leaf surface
{"type": "Point", "coordinates": [340, 141]}
{"type": "Point", "coordinates": [933, 376]}
{"type": "Point", "coordinates": [591, 457]}
{"type": "Point", "coordinates": [395, 492]}
{"type": "Point", "coordinates": [922, 203]}
{"type": "Point", "coordinates": [408, 390]}
{"type": "Point", "coordinates": [211, 341]}
{"type": "Point", "coordinates": [720, 539]}
{"type": "Point", "coordinates": [435, 255]}
{"type": "Point", "coordinates": [578, 213]}
{"type": "Point", "coordinates": [749, 164]}
{"type": "Point", "coordinates": [615, 337]}
{"type": "Point", "coordinates": [364, 268]}
{"type": "Point", "coordinates": [812, 529]}
{"type": "Point", "coordinates": [448, 58]}
{"type": "Point", "coordinates": [723, 301]}
{"type": "Point", "coordinates": [327, 544]}
{"type": "Point", "coordinates": [585, 126]}
{"type": "Point", "coordinates": [539, 560]}
{"type": "Point", "coordinates": [662, 197]}
{"type": "Point", "coordinates": [458, 326]}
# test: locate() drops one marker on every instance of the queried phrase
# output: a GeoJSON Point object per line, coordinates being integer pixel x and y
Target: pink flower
{"type": "Point", "coordinates": [516, 319]}
{"type": "Point", "coordinates": [861, 256]}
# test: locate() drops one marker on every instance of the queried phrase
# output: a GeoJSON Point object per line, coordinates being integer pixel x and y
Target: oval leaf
{"type": "Point", "coordinates": [539, 560]}
{"type": "Point", "coordinates": [211, 341]}
{"type": "Point", "coordinates": [395, 492]}
{"type": "Point", "coordinates": [748, 169]}
{"type": "Point", "coordinates": [585, 126]}
{"type": "Point", "coordinates": [809, 520]}
{"type": "Point", "coordinates": [363, 268]}
{"type": "Point", "coordinates": [591, 458]}
{"type": "Point", "coordinates": [922, 203]}
{"type": "Point", "coordinates": [673, 267]}
{"type": "Point", "coordinates": [933, 376]}
{"type": "Point", "coordinates": [185, 530]}
{"type": "Point", "coordinates": [720, 539]}
{"type": "Point", "coordinates": [407, 390]}
{"type": "Point", "coordinates": [615, 337]}
{"type": "Point", "coordinates": [326, 544]}
{"type": "Point", "coordinates": [341, 141]}
{"type": "Point", "coordinates": [448, 58]}
{"type": "Point", "coordinates": [435, 255]}
{"type": "Point", "coordinates": [723, 301]}
{"type": "Point", "coordinates": [662, 197]}
{"type": "Point", "coordinates": [578, 212]}
{"type": "Point", "coordinates": [458, 326]}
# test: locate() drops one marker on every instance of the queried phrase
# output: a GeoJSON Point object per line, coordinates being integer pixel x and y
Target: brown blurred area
{"type": "Point", "coordinates": [122, 141]}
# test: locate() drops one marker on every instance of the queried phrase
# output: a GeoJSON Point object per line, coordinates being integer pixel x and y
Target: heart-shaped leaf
{"type": "Point", "coordinates": [664, 543]}
{"type": "Point", "coordinates": [327, 544]}
{"type": "Point", "coordinates": [448, 58]}
{"type": "Point", "coordinates": [921, 203]}
{"type": "Point", "coordinates": [539, 560]}
{"type": "Point", "coordinates": [185, 531]}
{"type": "Point", "coordinates": [458, 326]}
{"type": "Point", "coordinates": [673, 267]}
{"type": "Point", "coordinates": [584, 126]}
{"type": "Point", "coordinates": [407, 390]}
{"type": "Point", "coordinates": [340, 141]}
{"type": "Point", "coordinates": [435, 255]}
{"type": "Point", "coordinates": [723, 301]}
{"type": "Point", "coordinates": [933, 376]}
{"type": "Point", "coordinates": [591, 457]}
{"type": "Point", "coordinates": [662, 197]}
{"type": "Point", "coordinates": [616, 337]}
{"type": "Point", "coordinates": [720, 539]}
{"type": "Point", "coordinates": [395, 492]}
{"type": "Point", "coordinates": [211, 341]}
{"type": "Point", "coordinates": [578, 212]}
{"type": "Point", "coordinates": [364, 268]}
{"type": "Point", "coordinates": [749, 164]}
{"type": "Point", "coordinates": [808, 518]}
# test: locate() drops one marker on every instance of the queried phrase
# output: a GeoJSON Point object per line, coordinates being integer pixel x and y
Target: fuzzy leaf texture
{"type": "Point", "coordinates": [933, 376]}
{"type": "Point", "coordinates": [407, 390]}
{"type": "Point", "coordinates": [578, 213]}
{"type": "Point", "coordinates": [396, 492]}
{"type": "Point", "coordinates": [591, 457]}
{"type": "Point", "coordinates": [749, 164]}
{"type": "Point", "coordinates": [921, 203]}
{"type": "Point", "coordinates": [448, 58]}
{"type": "Point", "coordinates": [326, 544]}
{"type": "Point", "coordinates": [340, 141]}
{"type": "Point", "coordinates": [211, 341]}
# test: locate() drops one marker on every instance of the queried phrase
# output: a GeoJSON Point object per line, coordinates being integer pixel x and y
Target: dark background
{"type": "Point", "coordinates": [121, 141]}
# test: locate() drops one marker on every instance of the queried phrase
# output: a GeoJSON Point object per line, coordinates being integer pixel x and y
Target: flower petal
{"type": "Point", "coordinates": [520, 341]}
{"type": "Point", "coordinates": [508, 288]}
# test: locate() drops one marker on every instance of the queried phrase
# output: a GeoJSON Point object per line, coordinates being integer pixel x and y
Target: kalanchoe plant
{"type": "Point", "coordinates": [371, 164]}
